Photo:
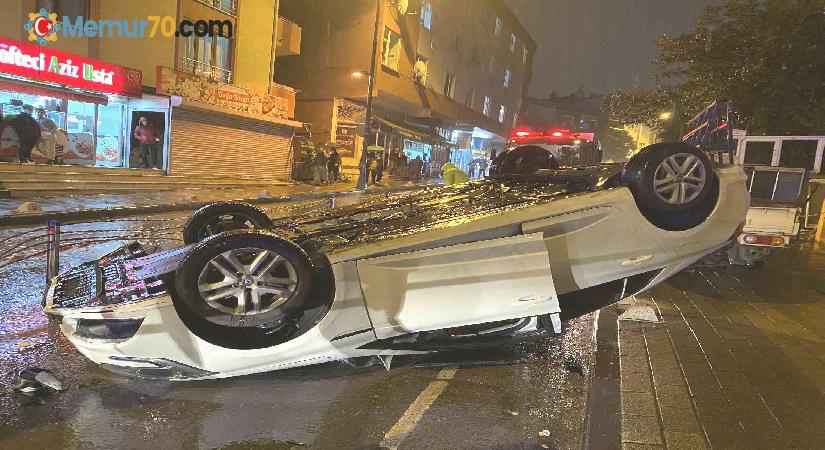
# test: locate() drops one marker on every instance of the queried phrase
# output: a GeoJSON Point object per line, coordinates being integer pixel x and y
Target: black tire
{"type": "Point", "coordinates": [641, 172]}
{"type": "Point", "coordinates": [219, 217]}
{"type": "Point", "coordinates": [187, 278]}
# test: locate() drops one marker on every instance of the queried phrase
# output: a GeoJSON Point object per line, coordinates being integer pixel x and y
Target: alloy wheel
{"type": "Point", "coordinates": [680, 179]}
{"type": "Point", "coordinates": [247, 281]}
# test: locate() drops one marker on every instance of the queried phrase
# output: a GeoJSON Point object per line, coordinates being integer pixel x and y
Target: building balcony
{"type": "Point", "coordinates": [225, 6]}
{"type": "Point", "coordinates": [288, 38]}
{"type": "Point", "coordinates": [200, 69]}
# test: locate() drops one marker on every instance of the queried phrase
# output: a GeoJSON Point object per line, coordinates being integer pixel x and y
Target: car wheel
{"type": "Point", "coordinates": [224, 216]}
{"type": "Point", "coordinates": [669, 177]}
{"type": "Point", "coordinates": [244, 279]}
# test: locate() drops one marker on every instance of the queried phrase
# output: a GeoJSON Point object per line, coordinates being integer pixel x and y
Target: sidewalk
{"type": "Point", "coordinates": [737, 360]}
{"type": "Point", "coordinates": [93, 206]}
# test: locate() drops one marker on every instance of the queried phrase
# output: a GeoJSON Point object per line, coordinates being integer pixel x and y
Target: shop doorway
{"type": "Point", "coordinates": [147, 138]}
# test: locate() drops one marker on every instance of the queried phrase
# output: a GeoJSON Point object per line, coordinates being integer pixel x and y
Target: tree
{"type": "Point", "coordinates": [768, 56]}
{"type": "Point", "coordinates": [617, 145]}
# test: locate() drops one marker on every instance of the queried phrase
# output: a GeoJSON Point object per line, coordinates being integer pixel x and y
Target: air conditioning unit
{"type": "Point", "coordinates": [420, 72]}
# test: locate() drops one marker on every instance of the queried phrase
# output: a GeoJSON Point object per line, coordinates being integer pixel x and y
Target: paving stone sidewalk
{"type": "Point", "coordinates": [737, 360]}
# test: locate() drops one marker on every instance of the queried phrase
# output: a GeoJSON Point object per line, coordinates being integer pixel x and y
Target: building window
{"type": "Point", "coordinates": [512, 42]}
{"type": "Point", "coordinates": [208, 56]}
{"type": "Point", "coordinates": [487, 106]}
{"type": "Point", "coordinates": [524, 55]}
{"type": "Point", "coordinates": [506, 77]}
{"type": "Point", "coordinates": [391, 49]}
{"type": "Point", "coordinates": [457, 41]}
{"type": "Point", "coordinates": [427, 15]}
{"type": "Point", "coordinates": [70, 8]}
{"type": "Point", "coordinates": [502, 111]}
{"type": "Point", "coordinates": [490, 65]}
{"type": "Point", "coordinates": [449, 85]}
{"type": "Point", "coordinates": [469, 100]}
{"type": "Point", "coordinates": [498, 26]}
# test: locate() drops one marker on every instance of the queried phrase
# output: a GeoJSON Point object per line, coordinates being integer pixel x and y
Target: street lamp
{"type": "Point", "coordinates": [665, 115]}
{"type": "Point", "coordinates": [362, 166]}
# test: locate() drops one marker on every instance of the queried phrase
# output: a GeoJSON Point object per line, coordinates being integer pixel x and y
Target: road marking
{"type": "Point", "coordinates": [406, 424]}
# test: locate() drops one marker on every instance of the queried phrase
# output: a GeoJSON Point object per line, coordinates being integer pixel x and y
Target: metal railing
{"type": "Point", "coordinates": [201, 69]}
{"type": "Point", "coordinates": [227, 6]}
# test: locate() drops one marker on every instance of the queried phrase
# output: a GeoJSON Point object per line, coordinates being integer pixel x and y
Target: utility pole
{"type": "Point", "coordinates": [362, 177]}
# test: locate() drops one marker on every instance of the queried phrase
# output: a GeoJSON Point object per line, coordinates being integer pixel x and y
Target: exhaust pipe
{"type": "Point", "coordinates": [52, 250]}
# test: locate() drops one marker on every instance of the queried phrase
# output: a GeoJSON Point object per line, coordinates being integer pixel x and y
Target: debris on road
{"type": "Point", "coordinates": [573, 365]}
{"type": "Point", "coordinates": [34, 379]}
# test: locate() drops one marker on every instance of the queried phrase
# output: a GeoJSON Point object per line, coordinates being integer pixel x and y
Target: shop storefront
{"type": "Point", "coordinates": [222, 130]}
{"type": "Point", "coordinates": [95, 108]}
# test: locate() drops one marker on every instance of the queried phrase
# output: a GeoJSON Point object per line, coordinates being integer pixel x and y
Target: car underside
{"type": "Point", "coordinates": [487, 263]}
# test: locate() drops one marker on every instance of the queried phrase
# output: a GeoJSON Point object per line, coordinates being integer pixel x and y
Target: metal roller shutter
{"type": "Point", "coordinates": [206, 143]}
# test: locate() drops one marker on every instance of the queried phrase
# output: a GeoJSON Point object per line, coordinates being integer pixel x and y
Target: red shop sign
{"type": "Point", "coordinates": [44, 64]}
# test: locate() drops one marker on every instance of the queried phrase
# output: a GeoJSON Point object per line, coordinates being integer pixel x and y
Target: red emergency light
{"type": "Point", "coordinates": [551, 134]}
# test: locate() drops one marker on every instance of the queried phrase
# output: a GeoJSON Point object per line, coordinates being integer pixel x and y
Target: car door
{"type": "Point", "coordinates": [477, 282]}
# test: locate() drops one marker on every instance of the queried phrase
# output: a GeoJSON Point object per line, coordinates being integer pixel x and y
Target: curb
{"type": "Point", "coordinates": [604, 409]}
{"type": "Point", "coordinates": [126, 211]}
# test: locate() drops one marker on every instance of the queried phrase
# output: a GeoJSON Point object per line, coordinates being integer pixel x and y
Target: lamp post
{"type": "Point", "coordinates": [362, 166]}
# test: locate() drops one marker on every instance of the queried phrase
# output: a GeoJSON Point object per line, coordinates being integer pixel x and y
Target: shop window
{"type": "Point", "coordinates": [449, 85]}
{"type": "Point", "coordinates": [506, 78]}
{"type": "Point", "coordinates": [502, 112]}
{"type": "Point", "coordinates": [427, 15]}
{"type": "Point", "coordinates": [512, 42]}
{"type": "Point", "coordinates": [109, 145]}
{"type": "Point", "coordinates": [80, 127]}
{"type": "Point", "coordinates": [498, 26]}
{"type": "Point", "coordinates": [391, 49]}
{"type": "Point", "coordinates": [487, 106]}
{"type": "Point", "coordinates": [799, 154]}
{"type": "Point", "coordinates": [759, 153]}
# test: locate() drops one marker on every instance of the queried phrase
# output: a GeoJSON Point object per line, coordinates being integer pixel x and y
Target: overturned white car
{"type": "Point", "coordinates": [487, 263]}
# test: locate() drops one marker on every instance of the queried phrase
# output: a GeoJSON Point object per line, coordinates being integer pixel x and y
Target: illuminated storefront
{"type": "Point", "coordinates": [96, 107]}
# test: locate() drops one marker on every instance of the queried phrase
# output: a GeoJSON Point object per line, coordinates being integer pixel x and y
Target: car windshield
{"type": "Point", "coordinates": [524, 160]}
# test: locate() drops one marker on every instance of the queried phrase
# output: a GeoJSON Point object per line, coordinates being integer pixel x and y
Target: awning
{"type": "Point", "coordinates": [421, 135]}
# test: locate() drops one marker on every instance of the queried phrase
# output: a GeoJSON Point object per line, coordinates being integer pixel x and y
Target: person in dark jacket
{"type": "Point", "coordinates": [28, 132]}
{"type": "Point", "coordinates": [320, 167]}
{"type": "Point", "coordinates": [334, 165]}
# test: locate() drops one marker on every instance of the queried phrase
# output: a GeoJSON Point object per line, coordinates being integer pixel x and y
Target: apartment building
{"type": "Point", "coordinates": [449, 79]}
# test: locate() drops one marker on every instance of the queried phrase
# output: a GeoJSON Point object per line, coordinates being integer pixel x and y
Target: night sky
{"type": "Point", "coordinates": [600, 45]}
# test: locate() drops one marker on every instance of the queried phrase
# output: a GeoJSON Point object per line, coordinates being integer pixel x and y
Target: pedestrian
{"type": "Point", "coordinates": [28, 132]}
{"type": "Point", "coordinates": [147, 138]}
{"type": "Point", "coordinates": [453, 175]}
{"type": "Point", "coordinates": [334, 165]}
{"type": "Point", "coordinates": [415, 169]}
{"type": "Point", "coordinates": [379, 170]}
{"type": "Point", "coordinates": [48, 131]}
{"type": "Point", "coordinates": [320, 169]}
{"type": "Point", "coordinates": [372, 169]}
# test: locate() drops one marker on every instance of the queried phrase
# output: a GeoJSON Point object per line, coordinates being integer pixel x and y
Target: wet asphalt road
{"type": "Point", "coordinates": [515, 399]}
